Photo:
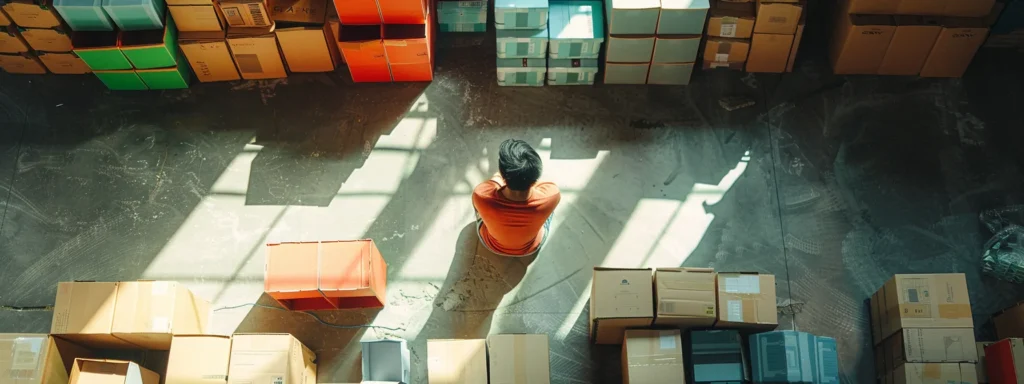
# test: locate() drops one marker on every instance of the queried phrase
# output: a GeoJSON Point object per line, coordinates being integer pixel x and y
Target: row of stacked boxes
{"type": "Point", "coordinates": [387, 40]}
{"type": "Point", "coordinates": [558, 42]}
{"type": "Point", "coordinates": [33, 39]}
{"type": "Point", "coordinates": [761, 36]}
{"type": "Point", "coordinates": [653, 42]}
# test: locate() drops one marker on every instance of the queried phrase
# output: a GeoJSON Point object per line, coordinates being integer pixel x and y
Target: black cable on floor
{"type": "Point", "coordinates": [778, 197]}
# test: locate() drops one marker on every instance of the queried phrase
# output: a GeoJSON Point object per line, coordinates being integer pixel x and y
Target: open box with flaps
{"type": "Point", "coordinates": [96, 371]}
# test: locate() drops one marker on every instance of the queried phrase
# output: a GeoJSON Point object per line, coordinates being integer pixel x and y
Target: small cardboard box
{"type": "Point", "coordinates": [859, 43]}
{"type": "Point", "coordinates": [363, 49]}
{"type": "Point", "coordinates": [31, 14]}
{"type": "Point", "coordinates": [926, 301]}
{"type": "Point", "coordinates": [386, 361]}
{"type": "Point", "coordinates": [1010, 322]}
{"type": "Point", "coordinates": [48, 40]}
{"type": "Point", "coordinates": [84, 15]}
{"type": "Point", "coordinates": [576, 29]}
{"type": "Point", "coordinates": [461, 12]}
{"type": "Point", "coordinates": [121, 80]}
{"type": "Point", "coordinates": [519, 359]}
{"type": "Point", "coordinates": [683, 17]}
{"type": "Point", "coordinates": [522, 43]}
{"type": "Point", "coordinates": [148, 313]}
{"type": "Point", "coordinates": [746, 300]}
{"type": "Point", "coordinates": [717, 356]}
{"type": "Point", "coordinates": [270, 358]}
{"type": "Point", "coordinates": [67, 63]}
{"type": "Point", "coordinates": [196, 18]}
{"type": "Point", "coordinates": [620, 299]}
{"type": "Point", "coordinates": [245, 13]}
{"type": "Point", "coordinates": [519, 14]}
{"type": "Point", "coordinates": [870, 7]}
{"type": "Point", "coordinates": [670, 73]}
{"type": "Point", "coordinates": [257, 57]}
{"type": "Point", "coordinates": [37, 358]}
{"type": "Point", "coordinates": [632, 17]}
{"type": "Point", "coordinates": [308, 49]}
{"type": "Point", "coordinates": [410, 53]}
{"type": "Point", "coordinates": [626, 73]}
{"type": "Point", "coordinates": [11, 41]}
{"type": "Point", "coordinates": [521, 72]}
{"type": "Point", "coordinates": [652, 356]}
{"type": "Point", "coordinates": [793, 357]}
{"type": "Point", "coordinates": [91, 371]}
{"type": "Point", "coordinates": [726, 52]}
{"type": "Point", "coordinates": [955, 47]}
{"type": "Point", "coordinates": [198, 359]}
{"type": "Point", "coordinates": [402, 11]}
{"type": "Point", "coordinates": [300, 11]}
{"type": "Point", "coordinates": [1004, 361]}
{"type": "Point", "coordinates": [769, 53]}
{"type": "Point", "coordinates": [630, 48]}
{"type": "Point", "coordinates": [685, 297]}
{"type": "Point", "coordinates": [99, 50]}
{"type": "Point", "coordinates": [136, 15]}
{"type": "Point", "coordinates": [931, 345]}
{"type": "Point", "coordinates": [982, 367]}
{"type": "Point", "coordinates": [969, 8]}
{"type": "Point", "coordinates": [916, 373]}
{"type": "Point", "coordinates": [209, 57]}
{"type": "Point", "coordinates": [777, 17]}
{"type": "Point", "coordinates": [151, 49]}
{"type": "Point", "coordinates": [676, 49]}
{"type": "Point", "coordinates": [456, 361]}
{"type": "Point", "coordinates": [84, 313]}
{"type": "Point", "coordinates": [572, 71]}
{"type": "Point", "coordinates": [728, 19]}
{"type": "Point", "coordinates": [357, 12]}
{"type": "Point", "coordinates": [910, 45]}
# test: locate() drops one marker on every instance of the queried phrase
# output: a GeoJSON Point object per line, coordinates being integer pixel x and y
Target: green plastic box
{"type": "Point", "coordinates": [136, 15]}
{"type": "Point", "coordinates": [121, 80]}
{"type": "Point", "coordinates": [151, 49]}
{"type": "Point", "coordinates": [177, 77]}
{"type": "Point", "coordinates": [99, 50]}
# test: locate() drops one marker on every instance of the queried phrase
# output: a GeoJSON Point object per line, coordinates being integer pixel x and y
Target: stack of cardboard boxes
{"type": "Point", "coordinates": [33, 39]}
{"type": "Point", "coordinates": [518, 358]}
{"type": "Point", "coordinates": [521, 34]}
{"type": "Point", "coordinates": [730, 29]}
{"type": "Point", "coordinates": [1008, 30]}
{"type": "Point", "coordinates": [386, 40]}
{"type": "Point", "coordinates": [677, 43]}
{"type": "Point", "coordinates": [778, 29]}
{"type": "Point", "coordinates": [576, 34]}
{"type": "Point", "coordinates": [908, 37]}
{"type": "Point", "coordinates": [652, 41]}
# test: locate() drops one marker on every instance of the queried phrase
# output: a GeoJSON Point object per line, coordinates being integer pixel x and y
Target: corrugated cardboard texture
{"type": "Point", "coordinates": [210, 60]}
{"type": "Point", "coordinates": [196, 18]}
{"type": "Point", "coordinates": [36, 358]}
{"type": "Point", "coordinates": [305, 49]}
{"type": "Point", "coordinates": [198, 359]}
{"type": "Point", "coordinates": [769, 53]}
{"type": "Point", "coordinates": [623, 294]}
{"type": "Point", "coordinates": [1010, 322]}
{"type": "Point", "coordinates": [270, 359]}
{"type": "Point", "coordinates": [147, 313]}
{"type": "Point", "coordinates": [47, 40]}
{"type": "Point", "coordinates": [245, 13]}
{"type": "Point", "coordinates": [981, 367]}
{"type": "Point", "coordinates": [953, 52]}
{"type": "Point", "coordinates": [908, 49]}
{"type": "Point", "coordinates": [685, 297]}
{"type": "Point", "coordinates": [64, 63]}
{"type": "Point", "coordinates": [746, 301]}
{"type": "Point", "coordinates": [89, 371]}
{"type": "Point", "coordinates": [11, 41]}
{"type": "Point", "coordinates": [84, 313]}
{"type": "Point", "coordinates": [652, 356]}
{"type": "Point", "coordinates": [299, 11]}
{"type": "Point", "coordinates": [518, 359]}
{"type": "Point", "coordinates": [926, 301]}
{"type": "Point", "coordinates": [778, 18]}
{"type": "Point", "coordinates": [728, 19]}
{"type": "Point", "coordinates": [32, 15]}
{"type": "Point", "coordinates": [927, 373]}
{"type": "Point", "coordinates": [858, 46]}
{"type": "Point", "coordinates": [725, 50]}
{"type": "Point", "coordinates": [1004, 361]}
{"type": "Point", "coordinates": [932, 345]}
{"type": "Point", "coordinates": [456, 361]}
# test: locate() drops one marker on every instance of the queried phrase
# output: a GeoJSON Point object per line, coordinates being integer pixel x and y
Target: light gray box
{"type": "Point", "coordinates": [676, 49]}
{"type": "Point", "coordinates": [626, 73]}
{"type": "Point", "coordinates": [670, 73]}
{"type": "Point", "coordinates": [683, 17]}
{"type": "Point", "coordinates": [629, 49]}
{"type": "Point", "coordinates": [632, 17]}
{"type": "Point", "coordinates": [386, 361]}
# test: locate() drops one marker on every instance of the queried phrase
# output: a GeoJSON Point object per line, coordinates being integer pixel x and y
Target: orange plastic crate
{"type": "Point", "coordinates": [326, 275]}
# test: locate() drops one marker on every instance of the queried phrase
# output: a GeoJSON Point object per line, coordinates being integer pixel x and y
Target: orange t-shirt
{"type": "Point", "coordinates": [514, 227]}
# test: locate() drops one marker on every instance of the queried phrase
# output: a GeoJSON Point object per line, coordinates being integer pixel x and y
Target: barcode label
{"type": "Point", "coordinates": [248, 63]}
{"type": "Point", "coordinates": [668, 307]}
{"type": "Point", "coordinates": [728, 30]}
{"type": "Point", "coordinates": [721, 57]}
{"type": "Point", "coordinates": [256, 11]}
{"type": "Point", "coordinates": [279, 380]}
{"type": "Point", "coordinates": [234, 16]}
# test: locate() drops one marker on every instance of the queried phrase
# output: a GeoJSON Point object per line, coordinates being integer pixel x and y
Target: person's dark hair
{"type": "Point", "coordinates": [519, 164]}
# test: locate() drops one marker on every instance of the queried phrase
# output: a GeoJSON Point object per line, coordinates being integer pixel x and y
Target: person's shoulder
{"type": "Point", "coordinates": [486, 188]}
{"type": "Point", "coordinates": [547, 190]}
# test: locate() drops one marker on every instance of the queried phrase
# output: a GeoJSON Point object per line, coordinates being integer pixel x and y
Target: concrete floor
{"type": "Point", "coordinates": [831, 183]}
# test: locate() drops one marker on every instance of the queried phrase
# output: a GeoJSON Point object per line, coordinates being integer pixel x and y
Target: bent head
{"type": "Point", "coordinates": [519, 164]}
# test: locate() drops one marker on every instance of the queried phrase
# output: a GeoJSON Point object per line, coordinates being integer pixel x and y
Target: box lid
{"type": "Point", "coordinates": [521, 4]}
{"type": "Point", "coordinates": [686, 4]}
{"type": "Point", "coordinates": [576, 20]}
{"type": "Point", "coordinates": [634, 4]}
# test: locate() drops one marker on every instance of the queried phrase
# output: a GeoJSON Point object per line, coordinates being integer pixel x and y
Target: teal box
{"type": "Point", "coordinates": [521, 72]}
{"type": "Point", "coordinates": [522, 43]}
{"type": "Point", "coordinates": [683, 17]}
{"type": "Point", "coordinates": [717, 357]}
{"type": "Point", "coordinates": [572, 71]}
{"type": "Point", "coordinates": [121, 80]}
{"type": "Point", "coordinates": [676, 49]}
{"type": "Point", "coordinates": [469, 12]}
{"type": "Point", "coordinates": [463, 27]}
{"type": "Point", "coordinates": [84, 15]}
{"type": "Point", "coordinates": [575, 29]}
{"type": "Point", "coordinates": [99, 50]}
{"type": "Point", "coordinates": [793, 357]}
{"type": "Point", "coordinates": [176, 77]}
{"type": "Point", "coordinates": [151, 49]}
{"type": "Point", "coordinates": [520, 14]}
{"type": "Point", "coordinates": [670, 73]}
{"type": "Point", "coordinates": [136, 15]}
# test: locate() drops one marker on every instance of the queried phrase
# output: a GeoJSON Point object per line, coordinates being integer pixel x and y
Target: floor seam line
{"type": "Point", "coordinates": [778, 198]}
{"type": "Point", "coordinates": [14, 173]}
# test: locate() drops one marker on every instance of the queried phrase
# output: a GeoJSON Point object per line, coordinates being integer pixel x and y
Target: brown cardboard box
{"type": "Point", "coordinates": [198, 359]}
{"type": "Point", "coordinates": [4, 20]}
{"type": "Point", "coordinates": [270, 358]}
{"type": "Point", "coordinates": [246, 13]}
{"type": "Point", "coordinates": [910, 45]}
{"type": "Point", "coordinates": [728, 19]}
{"type": "Point", "coordinates": [882, 362]}
{"type": "Point", "coordinates": [92, 371]}
{"type": "Point", "coordinates": [777, 17]}
{"type": "Point", "coordinates": [955, 47]}
{"type": "Point", "coordinates": [84, 313]}
{"type": "Point", "coordinates": [196, 18]}
{"type": "Point", "coordinates": [519, 359]}
{"type": "Point", "coordinates": [21, 63]}
{"type": "Point", "coordinates": [921, 7]}
{"type": "Point", "coordinates": [148, 313]}
{"type": "Point", "coordinates": [209, 56]}
{"type": "Point", "coordinates": [652, 356]}
{"type": "Point", "coordinates": [726, 51]}
{"type": "Point", "coordinates": [299, 11]}
{"type": "Point", "coordinates": [927, 373]}
{"type": "Point", "coordinates": [1010, 322]}
{"type": "Point", "coordinates": [67, 63]}
{"type": "Point", "coordinates": [926, 301]}
{"type": "Point", "coordinates": [48, 40]}
{"type": "Point", "coordinates": [257, 57]}
{"type": "Point", "coordinates": [37, 358]}
{"type": "Point", "coordinates": [870, 7]}
{"type": "Point", "coordinates": [859, 43]}
{"type": "Point", "coordinates": [11, 41]}
{"type": "Point", "coordinates": [791, 62]}
{"type": "Point", "coordinates": [931, 345]}
{"type": "Point", "coordinates": [620, 299]}
{"type": "Point", "coordinates": [746, 300]}
{"type": "Point", "coordinates": [982, 374]}
{"type": "Point", "coordinates": [32, 14]}
{"type": "Point", "coordinates": [335, 29]}
{"type": "Point", "coordinates": [685, 297]}
{"type": "Point", "coordinates": [769, 53]}
{"type": "Point", "coordinates": [969, 8]}
{"type": "Point", "coordinates": [456, 361]}
{"type": "Point", "coordinates": [308, 49]}
{"type": "Point", "coordinates": [877, 304]}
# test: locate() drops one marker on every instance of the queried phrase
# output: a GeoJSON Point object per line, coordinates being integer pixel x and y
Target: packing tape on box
{"type": "Point", "coordinates": [955, 311]}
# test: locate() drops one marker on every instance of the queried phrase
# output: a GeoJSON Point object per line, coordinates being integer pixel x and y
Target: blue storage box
{"type": "Point", "coordinates": [718, 357]}
{"type": "Point", "coordinates": [136, 15]}
{"type": "Point", "coordinates": [520, 14]}
{"type": "Point", "coordinates": [522, 72]}
{"type": "Point", "coordinates": [793, 357]}
{"type": "Point", "coordinates": [572, 71]}
{"type": "Point", "coordinates": [522, 43]}
{"type": "Point", "coordinates": [84, 15]}
{"type": "Point", "coordinates": [575, 29]}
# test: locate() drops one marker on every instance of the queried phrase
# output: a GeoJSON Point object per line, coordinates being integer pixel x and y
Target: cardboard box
{"type": "Point", "coordinates": [31, 14]}
{"type": "Point", "coordinates": [521, 72]}
{"type": "Point", "coordinates": [632, 17]}
{"type": "Point", "coordinates": [270, 358]}
{"type": "Point", "coordinates": [522, 43]}
{"type": "Point", "coordinates": [1004, 361]}
{"type": "Point", "coordinates": [328, 274]}
{"type": "Point", "coordinates": [299, 11]}
{"type": "Point", "coordinates": [67, 63]}
{"type": "Point", "coordinates": [670, 73]}
{"type": "Point", "coordinates": [151, 49]}
{"type": "Point", "coordinates": [746, 300]}
{"type": "Point", "coordinates": [11, 41]}
{"type": "Point", "coordinates": [308, 49]}
{"type": "Point", "coordinates": [982, 367]}
{"type": "Point", "coordinates": [796, 47]}
{"type": "Point", "coordinates": [626, 73]}
{"type": "Point", "coordinates": [456, 361]}
{"type": "Point", "coordinates": [921, 7]}
{"type": "Point", "coordinates": [410, 51]}
{"type": "Point", "coordinates": [363, 49]}
{"type": "Point", "coordinates": [519, 14]}
{"type": "Point", "coordinates": [196, 18]}
{"type": "Point", "coordinates": [717, 356]}
{"type": "Point", "coordinates": [210, 58]}
{"type": "Point", "coordinates": [652, 356]}
{"type": "Point", "coordinates": [769, 53]}
{"type": "Point", "coordinates": [726, 52]}
{"type": "Point", "coordinates": [519, 359]}
{"type": "Point", "coordinates": [256, 57]}
{"type": "Point", "coordinates": [84, 313]}
{"type": "Point", "coordinates": [793, 357]}
{"type": "Point", "coordinates": [357, 12]}
{"type": "Point", "coordinates": [683, 17]}
{"type": "Point", "coordinates": [148, 313]}
{"type": "Point", "coordinates": [386, 361]}
{"type": "Point", "coordinates": [676, 49]}
{"type": "Point", "coordinates": [685, 297]}
{"type": "Point", "coordinates": [926, 301]}
{"type": "Point", "coordinates": [121, 80]}
{"type": "Point", "coordinates": [777, 17]}
{"type": "Point", "coordinates": [729, 19]}
{"type": "Point", "coordinates": [99, 50]}
{"type": "Point", "coordinates": [620, 299]}
{"type": "Point", "coordinates": [859, 43]}
{"type": "Point", "coordinates": [1010, 322]}
{"type": "Point", "coordinates": [136, 15]}
{"type": "Point", "coordinates": [576, 29]}
{"type": "Point", "coordinates": [630, 49]}
{"type": "Point", "coordinates": [90, 371]}
{"type": "Point", "coordinates": [48, 40]}
{"type": "Point", "coordinates": [910, 45]}
{"type": "Point", "coordinates": [245, 13]}
{"type": "Point", "coordinates": [955, 47]}
{"type": "Point", "coordinates": [463, 27]}
{"type": "Point", "coordinates": [969, 8]}
{"type": "Point", "coordinates": [4, 20]}
{"type": "Point", "coordinates": [198, 359]}
{"type": "Point", "coordinates": [572, 71]}
{"type": "Point", "coordinates": [84, 15]}
{"type": "Point", "coordinates": [870, 7]}
{"type": "Point", "coordinates": [403, 11]}
{"type": "Point", "coordinates": [923, 373]}
{"type": "Point", "coordinates": [883, 368]}
{"type": "Point", "coordinates": [37, 358]}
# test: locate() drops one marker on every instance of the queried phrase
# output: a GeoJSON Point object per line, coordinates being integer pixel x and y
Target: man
{"type": "Point", "coordinates": [515, 210]}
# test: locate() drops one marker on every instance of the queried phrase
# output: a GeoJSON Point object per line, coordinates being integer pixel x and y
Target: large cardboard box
{"type": "Point", "coordinates": [308, 49]}
{"type": "Point", "coordinates": [270, 358]}
{"type": "Point", "coordinates": [931, 345]}
{"type": "Point", "coordinates": [386, 361]}
{"type": "Point", "coordinates": [726, 51]}
{"type": "Point", "coordinates": [685, 297]}
{"type": "Point", "coordinates": [626, 73]}
{"type": "Point", "coordinates": [796, 47]}
{"type": "Point", "coordinates": [48, 40]}
{"type": "Point", "coordinates": [676, 49]}
{"type": "Point", "coordinates": [576, 29]}
{"type": "Point", "coordinates": [793, 357]}
{"type": "Point", "coordinates": [198, 359]}
{"type": "Point", "coordinates": [456, 361]}
{"type": "Point", "coordinates": [910, 45]}
{"type": "Point", "coordinates": [99, 50]}
{"type": "Point", "coordinates": [84, 15]}
{"type": "Point", "coordinates": [257, 56]}
{"type": "Point", "coordinates": [777, 17]}
{"type": "Point", "coordinates": [37, 358]}
{"type": "Point", "coordinates": [300, 11]}
{"type": "Point", "coordinates": [1004, 361]}
{"type": "Point", "coordinates": [196, 18]}
{"type": "Point", "coordinates": [632, 17]}
{"type": "Point", "coordinates": [683, 17]}
{"type": "Point", "coordinates": [363, 49]}
{"type": "Point", "coordinates": [402, 11]}
{"type": "Point", "coordinates": [1010, 322]}
{"type": "Point", "coordinates": [93, 371]}
{"type": "Point", "coordinates": [410, 51]}
{"type": "Point", "coordinates": [521, 72]}
{"type": "Point", "coordinates": [209, 57]}
{"type": "Point", "coordinates": [357, 12]}
{"type": "Point", "coordinates": [11, 41]}
{"type": "Point", "coordinates": [926, 373]}
{"type": "Point", "coordinates": [245, 13]}
{"type": "Point", "coordinates": [652, 357]}
{"type": "Point", "coordinates": [982, 366]}
{"type": "Point", "coordinates": [731, 19]}
{"type": "Point", "coordinates": [156, 48]}
{"type": "Point", "coordinates": [717, 356]}
{"type": "Point", "coordinates": [859, 43]}
{"type": "Point", "coordinates": [327, 274]}
{"type": "Point", "coordinates": [769, 53]}
{"type": "Point", "coordinates": [519, 359]}
{"type": "Point", "coordinates": [746, 300]}
{"type": "Point", "coordinates": [926, 301]}
{"type": "Point", "coordinates": [670, 73]}
{"type": "Point", "coordinates": [519, 14]}
{"type": "Point", "coordinates": [620, 299]}
{"type": "Point", "coordinates": [31, 14]}
{"type": "Point", "coordinates": [84, 313]}
{"type": "Point", "coordinates": [4, 20]}
{"type": "Point", "coordinates": [148, 313]}
{"type": "Point", "coordinates": [67, 63]}
{"type": "Point", "coordinates": [955, 47]}
{"type": "Point", "coordinates": [629, 48]}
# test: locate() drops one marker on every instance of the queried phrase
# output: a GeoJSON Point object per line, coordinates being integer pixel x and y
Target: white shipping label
{"type": "Point", "coordinates": [667, 339]}
{"type": "Point", "coordinates": [747, 284]}
{"type": "Point", "coordinates": [26, 353]}
{"type": "Point", "coordinates": [722, 57]}
{"type": "Point", "coordinates": [734, 310]}
{"type": "Point", "coordinates": [728, 30]}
